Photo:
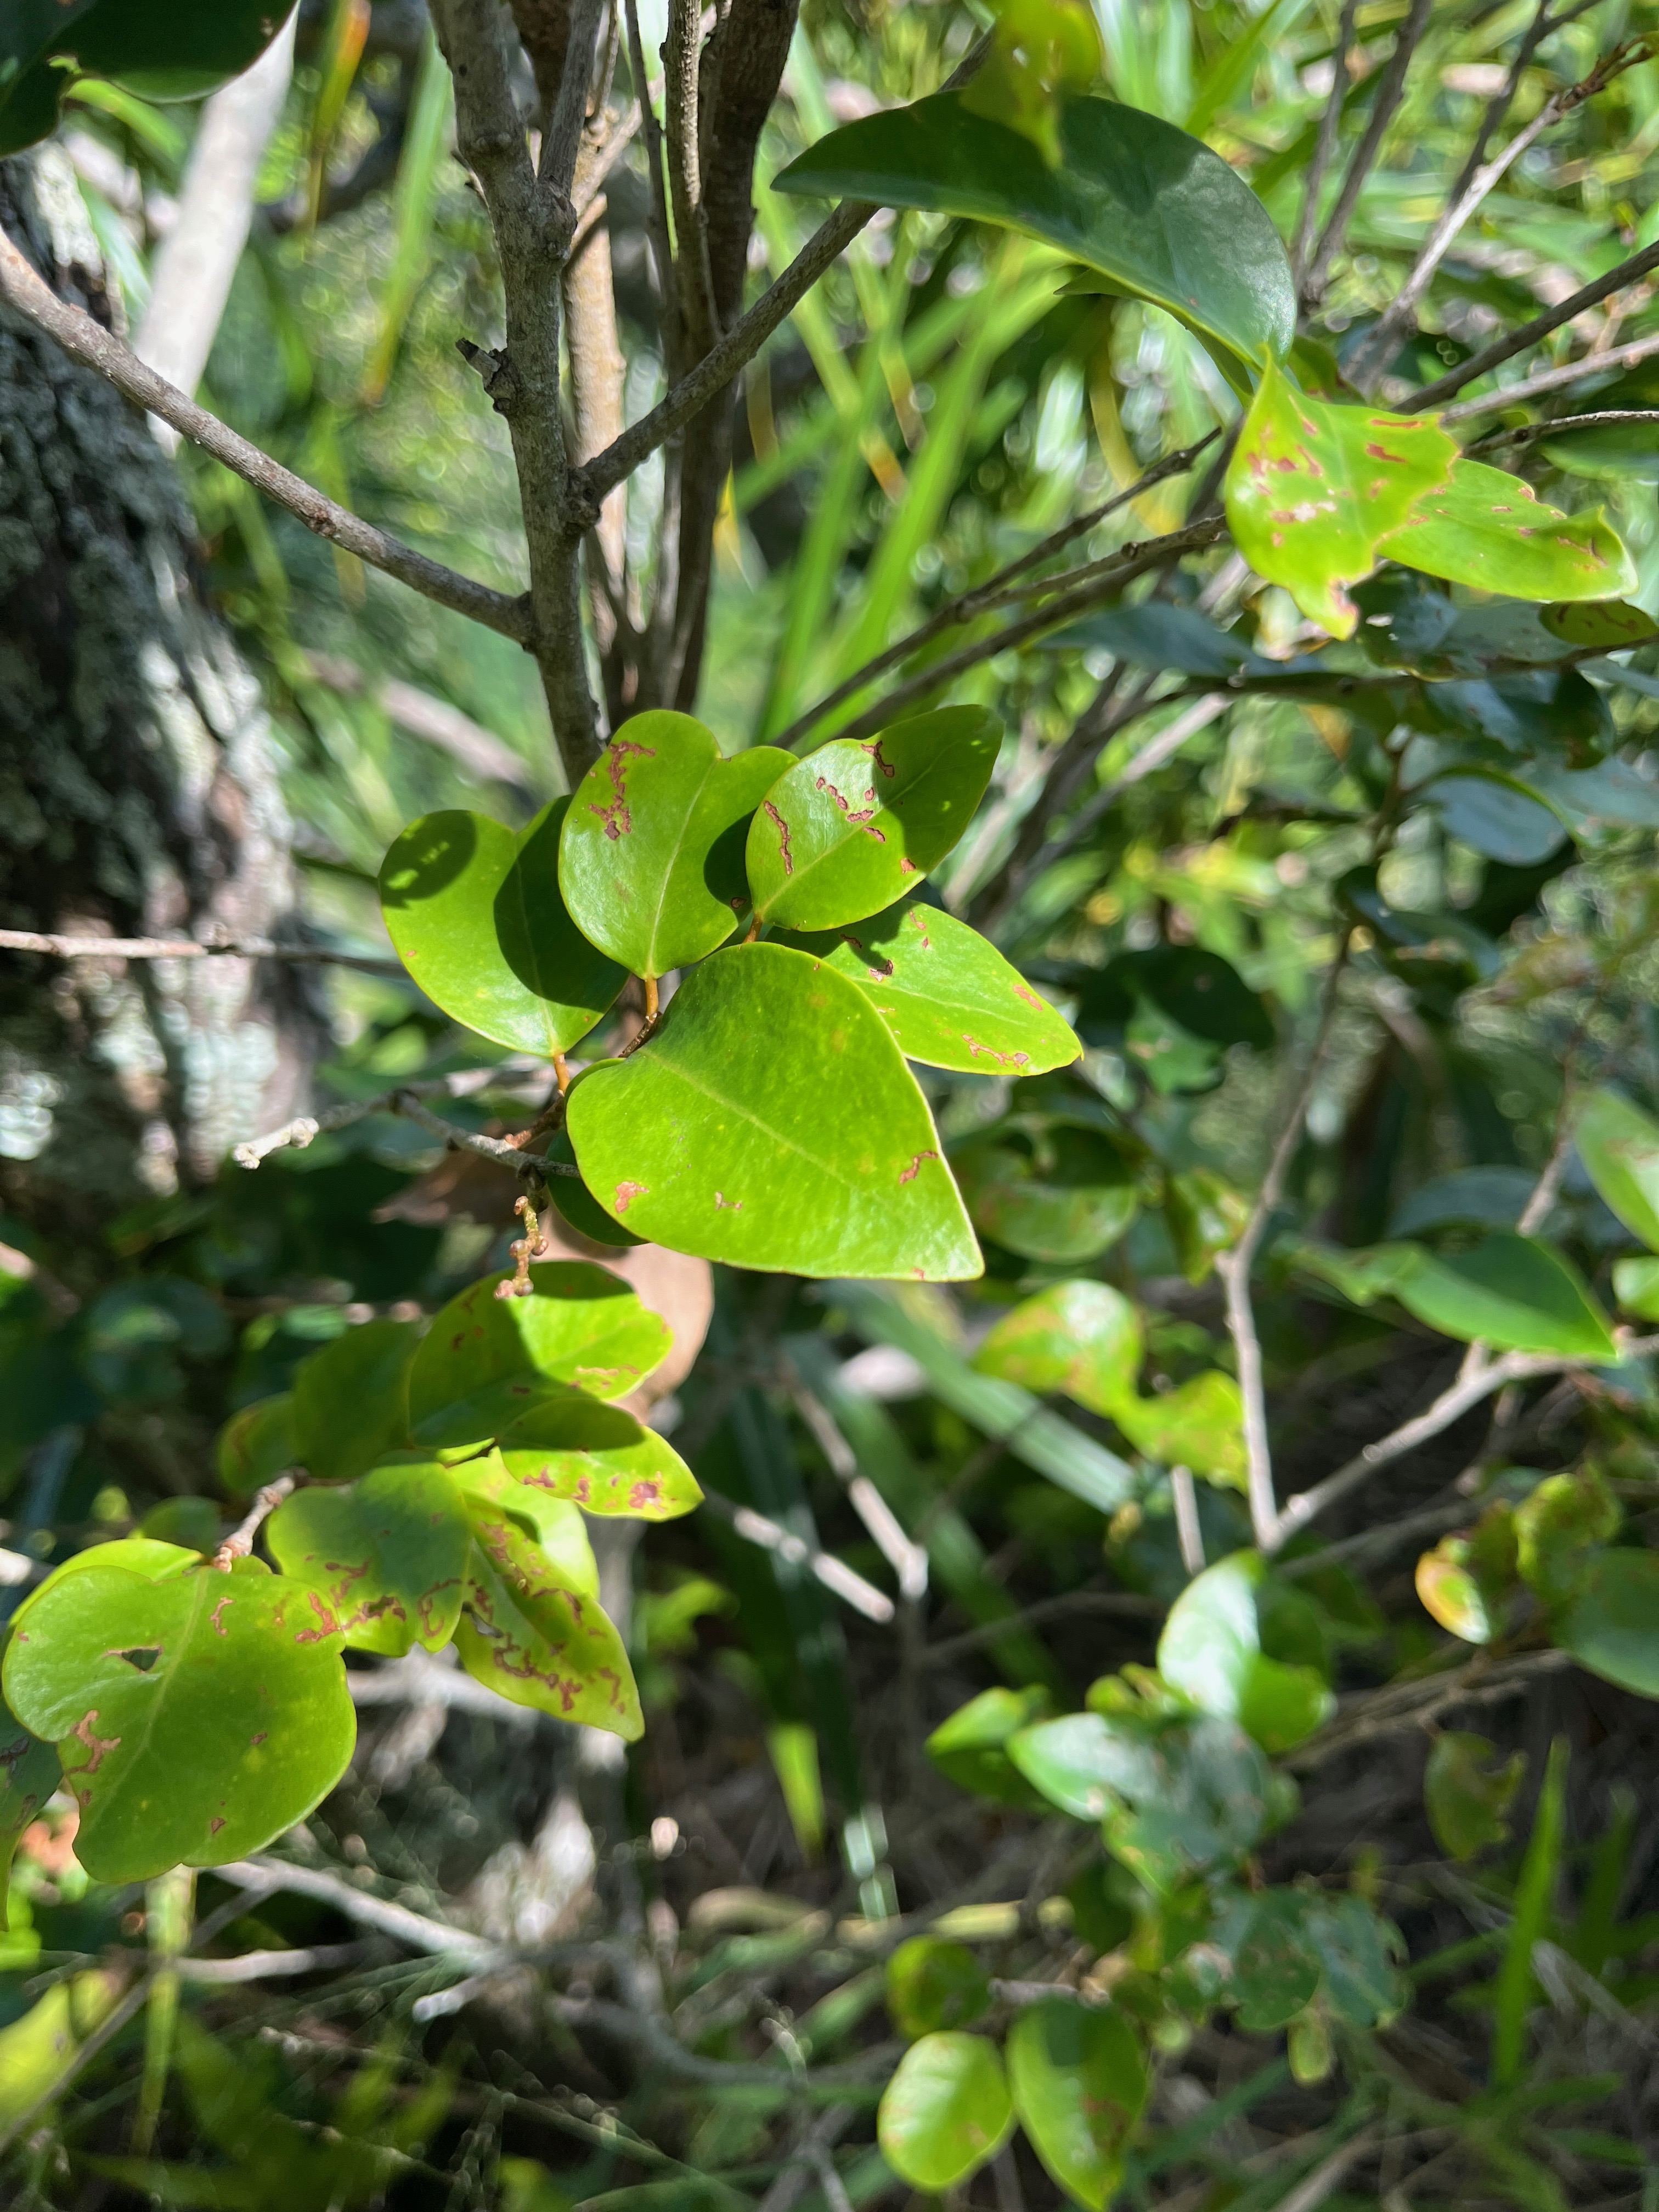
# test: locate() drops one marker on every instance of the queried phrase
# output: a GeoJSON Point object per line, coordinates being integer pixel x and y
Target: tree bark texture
{"type": "Point", "coordinates": [138, 790]}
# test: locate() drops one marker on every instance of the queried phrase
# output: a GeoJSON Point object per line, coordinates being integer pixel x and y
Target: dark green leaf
{"type": "Point", "coordinates": [351, 1399]}
{"type": "Point", "coordinates": [933, 1984]}
{"type": "Point", "coordinates": [1491, 815]}
{"type": "Point", "coordinates": [1468, 1791]}
{"type": "Point", "coordinates": [389, 1554]}
{"type": "Point", "coordinates": [1614, 450]}
{"type": "Point", "coordinates": [1211, 1651]}
{"type": "Point", "coordinates": [1510, 1292]}
{"type": "Point", "coordinates": [486, 1361]}
{"type": "Point", "coordinates": [945, 2110]}
{"type": "Point", "coordinates": [1210, 1802]}
{"type": "Point", "coordinates": [477, 918]}
{"type": "Point", "coordinates": [1467, 1582]}
{"type": "Point", "coordinates": [1199, 991]}
{"type": "Point", "coordinates": [1079, 2082]}
{"type": "Point", "coordinates": [771, 1122]}
{"type": "Point", "coordinates": [1492, 530]}
{"type": "Point", "coordinates": [1315, 486]}
{"type": "Point", "coordinates": [1157, 214]}
{"type": "Point", "coordinates": [949, 999]}
{"type": "Point", "coordinates": [971, 1747]}
{"type": "Point", "coordinates": [1083, 1337]}
{"type": "Point", "coordinates": [1275, 1969]}
{"type": "Point", "coordinates": [577, 1205]}
{"type": "Point", "coordinates": [600, 1458]}
{"type": "Point", "coordinates": [651, 853]}
{"type": "Point", "coordinates": [257, 1444]}
{"type": "Point", "coordinates": [29, 1772]}
{"type": "Point", "coordinates": [1154, 635]}
{"type": "Point", "coordinates": [533, 1630]}
{"type": "Point", "coordinates": [197, 1717]}
{"type": "Point", "coordinates": [1613, 1625]}
{"type": "Point", "coordinates": [1047, 1191]}
{"type": "Point", "coordinates": [1618, 1145]}
{"type": "Point", "coordinates": [1559, 1528]}
{"type": "Point", "coordinates": [1468, 1198]}
{"type": "Point", "coordinates": [848, 829]}
{"type": "Point", "coordinates": [1357, 1949]}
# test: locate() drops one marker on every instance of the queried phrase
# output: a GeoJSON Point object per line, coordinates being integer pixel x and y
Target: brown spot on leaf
{"type": "Point", "coordinates": [909, 1174]}
{"type": "Point", "coordinates": [783, 839]}
{"type": "Point", "coordinates": [97, 1745]}
{"type": "Point", "coordinates": [722, 1204]}
{"type": "Point", "coordinates": [615, 814]}
{"type": "Point", "coordinates": [216, 1617]}
{"type": "Point", "coordinates": [628, 1192]}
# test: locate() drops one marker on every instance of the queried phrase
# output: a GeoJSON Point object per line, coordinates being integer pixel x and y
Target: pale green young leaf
{"type": "Point", "coordinates": [388, 1553]}
{"type": "Point", "coordinates": [945, 2111]}
{"type": "Point", "coordinates": [1618, 1145]}
{"type": "Point", "coordinates": [1490, 530]}
{"type": "Point", "coordinates": [1199, 1424]}
{"type": "Point", "coordinates": [1083, 1338]}
{"type": "Point", "coordinates": [600, 1458]}
{"type": "Point", "coordinates": [1079, 2081]}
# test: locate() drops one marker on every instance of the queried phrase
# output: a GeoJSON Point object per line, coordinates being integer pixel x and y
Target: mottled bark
{"type": "Point", "coordinates": [138, 790]}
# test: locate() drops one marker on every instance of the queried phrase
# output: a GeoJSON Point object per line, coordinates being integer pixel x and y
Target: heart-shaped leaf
{"type": "Point", "coordinates": [849, 829]}
{"type": "Point", "coordinates": [945, 2110]}
{"type": "Point", "coordinates": [1313, 485]}
{"type": "Point", "coordinates": [1490, 530]}
{"type": "Point", "coordinates": [600, 1458]}
{"type": "Point", "coordinates": [1079, 2082]}
{"type": "Point", "coordinates": [389, 1554]}
{"type": "Point", "coordinates": [197, 1717]}
{"type": "Point", "coordinates": [351, 1399]}
{"type": "Point", "coordinates": [1618, 1145]}
{"type": "Point", "coordinates": [29, 1772]}
{"type": "Point", "coordinates": [1211, 1651]}
{"type": "Point", "coordinates": [949, 999]}
{"type": "Point", "coordinates": [771, 1122]}
{"type": "Point", "coordinates": [533, 1630]}
{"type": "Point", "coordinates": [651, 854]}
{"type": "Point", "coordinates": [1083, 1337]}
{"type": "Point", "coordinates": [1158, 215]}
{"type": "Point", "coordinates": [477, 918]}
{"type": "Point", "coordinates": [487, 1360]}
{"type": "Point", "coordinates": [1511, 1291]}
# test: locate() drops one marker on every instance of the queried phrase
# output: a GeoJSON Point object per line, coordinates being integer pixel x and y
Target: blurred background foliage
{"type": "Point", "coordinates": [930, 412]}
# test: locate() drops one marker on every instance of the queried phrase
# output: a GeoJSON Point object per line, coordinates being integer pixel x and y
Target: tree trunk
{"type": "Point", "coordinates": [138, 791]}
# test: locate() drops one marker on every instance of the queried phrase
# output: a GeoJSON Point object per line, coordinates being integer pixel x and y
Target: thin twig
{"type": "Point", "coordinates": [239, 1542]}
{"type": "Point", "coordinates": [908, 1560]}
{"type": "Point", "coordinates": [267, 1966]}
{"type": "Point", "coordinates": [1407, 1705]}
{"type": "Point", "coordinates": [1529, 431]}
{"type": "Point", "coordinates": [95, 347]}
{"type": "Point", "coordinates": [1329, 123]}
{"type": "Point", "coordinates": [412, 1929]}
{"type": "Point", "coordinates": [187, 948]}
{"type": "Point", "coordinates": [1501, 349]}
{"type": "Point", "coordinates": [1189, 1532]}
{"type": "Point", "coordinates": [1550, 379]}
{"type": "Point", "coordinates": [1390, 85]}
{"type": "Point", "coordinates": [756, 1529]}
{"type": "Point", "coordinates": [305, 1128]}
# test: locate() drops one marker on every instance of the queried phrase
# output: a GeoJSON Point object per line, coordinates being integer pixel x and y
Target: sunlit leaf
{"type": "Point", "coordinates": [1490, 530]}
{"type": "Point", "coordinates": [600, 1458]}
{"type": "Point", "coordinates": [1079, 2081]}
{"type": "Point", "coordinates": [1469, 1581]}
{"type": "Point", "coordinates": [971, 1746]}
{"type": "Point", "coordinates": [532, 1630]}
{"type": "Point", "coordinates": [1038, 49]}
{"type": "Point", "coordinates": [945, 2110]}
{"type": "Point", "coordinates": [1083, 1337]}
{"type": "Point", "coordinates": [1212, 1649]}
{"type": "Point", "coordinates": [389, 1554]}
{"type": "Point", "coordinates": [1618, 1145]}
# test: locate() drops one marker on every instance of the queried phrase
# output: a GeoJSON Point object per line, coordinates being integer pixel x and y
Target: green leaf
{"type": "Point", "coordinates": [577, 1205]}
{"type": "Point", "coordinates": [1079, 2083]}
{"type": "Point", "coordinates": [1636, 1287]}
{"type": "Point", "coordinates": [1154, 211]}
{"type": "Point", "coordinates": [1314, 486]}
{"type": "Point", "coordinates": [1511, 1291]}
{"type": "Point", "coordinates": [487, 1360]}
{"type": "Point", "coordinates": [29, 1772]}
{"type": "Point", "coordinates": [197, 1717]}
{"type": "Point", "coordinates": [1490, 530]}
{"type": "Point", "coordinates": [1468, 1791]}
{"type": "Point", "coordinates": [600, 1458]}
{"type": "Point", "coordinates": [771, 1122]}
{"type": "Point", "coordinates": [256, 1445]}
{"type": "Point", "coordinates": [933, 1984]}
{"type": "Point", "coordinates": [971, 1747]}
{"type": "Point", "coordinates": [1493, 817]}
{"type": "Point", "coordinates": [1275, 1969]}
{"type": "Point", "coordinates": [1607, 450]}
{"type": "Point", "coordinates": [1618, 1145]}
{"type": "Point", "coordinates": [351, 1399]}
{"type": "Point", "coordinates": [1559, 1528]}
{"type": "Point", "coordinates": [1087, 1763]}
{"type": "Point", "coordinates": [845, 833]}
{"type": "Point", "coordinates": [651, 854]}
{"type": "Point", "coordinates": [1210, 1804]}
{"type": "Point", "coordinates": [167, 49]}
{"type": "Point", "coordinates": [1612, 1626]}
{"type": "Point", "coordinates": [1609, 625]}
{"type": "Point", "coordinates": [1469, 1581]}
{"type": "Point", "coordinates": [949, 999]}
{"type": "Point", "coordinates": [1083, 1337]}
{"type": "Point", "coordinates": [945, 2111]}
{"type": "Point", "coordinates": [1199, 1426]}
{"type": "Point", "coordinates": [1357, 1949]}
{"type": "Point", "coordinates": [532, 1631]}
{"type": "Point", "coordinates": [477, 917]}
{"type": "Point", "coordinates": [1197, 991]}
{"type": "Point", "coordinates": [1038, 49]}
{"type": "Point", "coordinates": [389, 1554]}
{"type": "Point", "coordinates": [1047, 1189]}
{"type": "Point", "coordinates": [1211, 1651]}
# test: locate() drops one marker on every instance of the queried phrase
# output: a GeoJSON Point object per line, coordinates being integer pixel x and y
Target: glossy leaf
{"type": "Point", "coordinates": [389, 1554]}
{"type": "Point", "coordinates": [600, 1458]}
{"type": "Point", "coordinates": [1314, 486]}
{"type": "Point", "coordinates": [1087, 1763]}
{"type": "Point", "coordinates": [164, 49]}
{"type": "Point", "coordinates": [477, 918]}
{"type": "Point", "coordinates": [1612, 1626]}
{"type": "Point", "coordinates": [1618, 1145]}
{"type": "Point", "coordinates": [934, 1983]}
{"type": "Point", "coordinates": [1636, 1287]}
{"type": "Point", "coordinates": [945, 2110]}
{"type": "Point", "coordinates": [949, 999]}
{"type": "Point", "coordinates": [1212, 1651]}
{"type": "Point", "coordinates": [971, 1747]}
{"type": "Point", "coordinates": [1510, 1292]}
{"type": "Point", "coordinates": [1468, 1791]}
{"type": "Point", "coordinates": [1047, 1191]}
{"type": "Point", "coordinates": [771, 1122]}
{"type": "Point", "coordinates": [1079, 2082]}
{"type": "Point", "coordinates": [1608, 625]}
{"type": "Point", "coordinates": [850, 828]}
{"type": "Point", "coordinates": [532, 1631]}
{"type": "Point", "coordinates": [29, 1772]}
{"type": "Point", "coordinates": [1083, 1337]}
{"type": "Point", "coordinates": [486, 1361]}
{"type": "Point", "coordinates": [197, 1717]}
{"type": "Point", "coordinates": [351, 1399]}
{"type": "Point", "coordinates": [651, 855]}
{"type": "Point", "coordinates": [1490, 530]}
{"type": "Point", "coordinates": [1154, 211]}
{"type": "Point", "coordinates": [576, 1205]}
{"type": "Point", "coordinates": [256, 1445]}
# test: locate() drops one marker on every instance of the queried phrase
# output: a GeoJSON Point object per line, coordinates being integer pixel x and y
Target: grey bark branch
{"type": "Point", "coordinates": [1502, 350]}
{"type": "Point", "coordinates": [88, 343]}
{"type": "Point", "coordinates": [1390, 86]}
{"type": "Point", "coordinates": [190, 948]}
{"type": "Point", "coordinates": [1554, 379]}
